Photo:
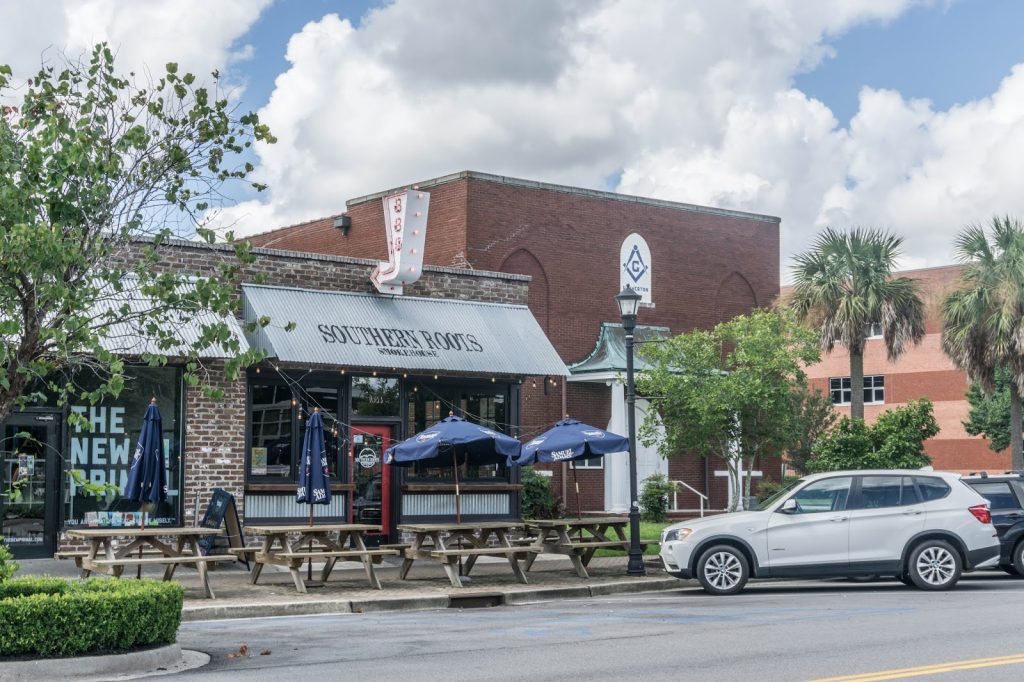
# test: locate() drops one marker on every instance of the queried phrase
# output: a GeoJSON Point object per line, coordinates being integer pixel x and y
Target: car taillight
{"type": "Point", "coordinates": [981, 513]}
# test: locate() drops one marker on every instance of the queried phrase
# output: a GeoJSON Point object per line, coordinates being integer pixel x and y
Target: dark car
{"type": "Point", "coordinates": [1005, 495]}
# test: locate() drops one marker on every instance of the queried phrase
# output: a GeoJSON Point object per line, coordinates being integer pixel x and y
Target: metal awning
{"type": "Point", "coordinates": [609, 354]}
{"type": "Point", "coordinates": [375, 331]}
{"type": "Point", "coordinates": [128, 309]}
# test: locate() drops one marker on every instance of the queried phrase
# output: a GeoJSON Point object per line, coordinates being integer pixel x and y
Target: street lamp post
{"type": "Point", "coordinates": [629, 301]}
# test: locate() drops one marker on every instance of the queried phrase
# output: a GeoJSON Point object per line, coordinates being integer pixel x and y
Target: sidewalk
{"type": "Point", "coordinates": [427, 587]}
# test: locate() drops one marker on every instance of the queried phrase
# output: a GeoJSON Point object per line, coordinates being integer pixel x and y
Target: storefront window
{"type": "Point", "coordinates": [327, 399]}
{"type": "Point", "coordinates": [102, 453]}
{"type": "Point", "coordinates": [374, 397]}
{"type": "Point", "coordinates": [271, 415]}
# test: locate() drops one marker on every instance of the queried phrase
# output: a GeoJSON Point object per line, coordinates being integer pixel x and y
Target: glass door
{"type": "Point", "coordinates": [370, 500]}
{"type": "Point", "coordinates": [29, 483]}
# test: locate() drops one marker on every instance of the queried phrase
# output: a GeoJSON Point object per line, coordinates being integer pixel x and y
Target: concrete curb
{"type": "Point", "coordinates": [206, 611]}
{"type": "Point", "coordinates": [95, 667]}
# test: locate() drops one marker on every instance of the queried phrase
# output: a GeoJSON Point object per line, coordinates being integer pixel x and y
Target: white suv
{"type": "Point", "coordinates": [923, 527]}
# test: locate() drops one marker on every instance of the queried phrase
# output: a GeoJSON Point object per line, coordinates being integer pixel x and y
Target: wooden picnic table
{"type": "Point", "coordinates": [445, 540]}
{"type": "Point", "coordinates": [328, 539]}
{"type": "Point", "coordinates": [101, 556]}
{"type": "Point", "coordinates": [579, 539]}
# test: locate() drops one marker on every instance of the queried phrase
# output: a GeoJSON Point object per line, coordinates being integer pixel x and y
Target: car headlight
{"type": "Point", "coordinates": [676, 534]}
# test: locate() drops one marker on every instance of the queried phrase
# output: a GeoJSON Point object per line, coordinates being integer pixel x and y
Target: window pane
{"type": "Point", "coordinates": [104, 453]}
{"type": "Point", "coordinates": [877, 492]}
{"type": "Point", "coordinates": [999, 495]}
{"type": "Point", "coordinates": [271, 411]}
{"type": "Point", "coordinates": [374, 397]}
{"type": "Point", "coordinates": [487, 409]}
{"type": "Point", "coordinates": [326, 398]}
{"type": "Point", "coordinates": [909, 495]}
{"type": "Point", "coordinates": [823, 496]}
{"type": "Point", "coordinates": [932, 488]}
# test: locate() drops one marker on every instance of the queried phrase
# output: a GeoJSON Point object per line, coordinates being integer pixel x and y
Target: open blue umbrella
{"type": "Point", "coordinates": [147, 477]}
{"type": "Point", "coordinates": [568, 441]}
{"type": "Point", "coordinates": [454, 441]}
{"type": "Point", "coordinates": [314, 480]}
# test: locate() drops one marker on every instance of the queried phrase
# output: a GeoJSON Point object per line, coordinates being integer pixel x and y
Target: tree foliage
{"type": "Point", "coordinates": [728, 391]}
{"type": "Point", "coordinates": [813, 416]}
{"type": "Point", "coordinates": [990, 412]}
{"type": "Point", "coordinates": [97, 172]}
{"type": "Point", "coordinates": [895, 441]}
{"type": "Point", "coordinates": [983, 317]}
{"type": "Point", "coordinates": [843, 284]}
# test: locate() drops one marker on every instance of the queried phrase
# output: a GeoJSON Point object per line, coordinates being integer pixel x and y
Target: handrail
{"type": "Point", "coordinates": [675, 496]}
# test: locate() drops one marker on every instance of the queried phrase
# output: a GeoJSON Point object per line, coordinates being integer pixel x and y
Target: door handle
{"type": "Point", "coordinates": [912, 512]}
{"type": "Point", "coordinates": [839, 519]}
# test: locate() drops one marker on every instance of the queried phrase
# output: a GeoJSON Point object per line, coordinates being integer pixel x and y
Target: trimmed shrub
{"type": "Point", "coordinates": [45, 617]}
{"type": "Point", "coordinates": [654, 498]}
{"type": "Point", "coordinates": [537, 501]}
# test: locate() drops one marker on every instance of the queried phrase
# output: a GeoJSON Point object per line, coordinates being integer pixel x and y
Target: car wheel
{"type": "Point", "coordinates": [723, 570]}
{"type": "Point", "coordinates": [1017, 566]}
{"type": "Point", "coordinates": [934, 565]}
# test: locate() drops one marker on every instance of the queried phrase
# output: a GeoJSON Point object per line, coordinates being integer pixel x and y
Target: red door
{"type": "Point", "coordinates": [372, 479]}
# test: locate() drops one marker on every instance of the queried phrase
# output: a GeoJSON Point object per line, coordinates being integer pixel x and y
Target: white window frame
{"type": "Point", "coordinates": [873, 330]}
{"type": "Point", "coordinates": [874, 385]}
{"type": "Point", "coordinates": [584, 463]}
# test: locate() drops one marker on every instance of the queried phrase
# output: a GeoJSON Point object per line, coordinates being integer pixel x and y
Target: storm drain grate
{"type": "Point", "coordinates": [477, 600]}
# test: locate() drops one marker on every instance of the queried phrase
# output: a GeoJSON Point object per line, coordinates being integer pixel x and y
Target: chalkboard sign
{"type": "Point", "coordinates": [221, 510]}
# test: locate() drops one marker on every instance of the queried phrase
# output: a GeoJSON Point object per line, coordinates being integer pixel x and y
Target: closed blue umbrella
{"type": "Point", "coordinates": [454, 441]}
{"type": "Point", "coordinates": [147, 477]}
{"type": "Point", "coordinates": [314, 480]}
{"type": "Point", "coordinates": [570, 440]}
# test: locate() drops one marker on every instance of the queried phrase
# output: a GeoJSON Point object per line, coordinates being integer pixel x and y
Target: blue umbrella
{"type": "Point", "coordinates": [147, 477]}
{"type": "Point", "coordinates": [455, 441]}
{"type": "Point", "coordinates": [570, 440]}
{"type": "Point", "coordinates": [314, 480]}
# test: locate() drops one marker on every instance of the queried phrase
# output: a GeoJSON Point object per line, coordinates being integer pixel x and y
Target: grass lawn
{"type": "Point", "coordinates": [648, 531]}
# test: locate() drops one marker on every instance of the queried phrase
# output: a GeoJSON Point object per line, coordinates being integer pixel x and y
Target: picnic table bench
{"type": "Point", "coordinates": [436, 541]}
{"type": "Point", "coordinates": [579, 539]}
{"type": "Point", "coordinates": [329, 540]}
{"type": "Point", "coordinates": [101, 557]}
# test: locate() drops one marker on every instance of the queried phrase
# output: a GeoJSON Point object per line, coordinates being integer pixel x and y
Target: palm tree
{"type": "Point", "coordinates": [983, 317]}
{"type": "Point", "coordinates": [843, 284]}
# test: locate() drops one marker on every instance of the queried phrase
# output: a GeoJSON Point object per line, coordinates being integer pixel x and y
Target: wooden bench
{"type": "Point", "coordinates": [375, 554]}
{"type": "Point", "coordinates": [481, 551]}
{"type": "Point", "coordinates": [145, 561]}
{"type": "Point", "coordinates": [78, 555]}
{"type": "Point", "coordinates": [401, 546]}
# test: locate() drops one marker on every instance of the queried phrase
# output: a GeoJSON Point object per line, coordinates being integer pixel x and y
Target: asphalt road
{"type": "Point", "coordinates": [773, 631]}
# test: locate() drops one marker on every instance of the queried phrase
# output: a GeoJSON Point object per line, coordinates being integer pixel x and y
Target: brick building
{"type": "Point", "coordinates": [384, 369]}
{"type": "Point", "coordinates": [923, 371]}
{"type": "Point", "coordinates": [699, 265]}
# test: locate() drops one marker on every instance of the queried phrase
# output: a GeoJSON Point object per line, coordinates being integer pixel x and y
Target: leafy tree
{"type": "Point", "coordinates": [843, 284]}
{"type": "Point", "coordinates": [895, 441]}
{"type": "Point", "coordinates": [990, 412]}
{"type": "Point", "coordinates": [97, 172]}
{"type": "Point", "coordinates": [814, 416]}
{"type": "Point", "coordinates": [536, 499]}
{"type": "Point", "coordinates": [654, 498]}
{"type": "Point", "coordinates": [728, 391]}
{"type": "Point", "coordinates": [983, 317]}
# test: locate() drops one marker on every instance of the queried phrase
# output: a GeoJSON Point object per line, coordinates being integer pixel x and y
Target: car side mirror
{"type": "Point", "coordinates": [789, 506]}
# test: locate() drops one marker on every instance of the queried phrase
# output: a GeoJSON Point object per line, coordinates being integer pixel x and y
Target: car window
{"type": "Point", "coordinates": [932, 488]}
{"type": "Point", "coordinates": [823, 496]}
{"type": "Point", "coordinates": [877, 492]}
{"type": "Point", "coordinates": [998, 494]}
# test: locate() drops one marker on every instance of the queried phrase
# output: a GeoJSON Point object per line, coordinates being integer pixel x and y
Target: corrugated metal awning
{"type": "Point", "coordinates": [373, 331]}
{"type": "Point", "coordinates": [130, 312]}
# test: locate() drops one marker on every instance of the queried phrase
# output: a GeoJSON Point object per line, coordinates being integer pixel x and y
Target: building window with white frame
{"type": "Point", "coordinates": [592, 463]}
{"type": "Point", "coordinates": [842, 392]}
{"type": "Point", "coordinates": [873, 330]}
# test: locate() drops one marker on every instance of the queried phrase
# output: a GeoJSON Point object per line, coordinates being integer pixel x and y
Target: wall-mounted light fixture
{"type": "Point", "coordinates": [343, 223]}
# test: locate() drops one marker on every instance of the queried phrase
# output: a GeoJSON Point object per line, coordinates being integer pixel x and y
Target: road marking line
{"type": "Point", "coordinates": [933, 669]}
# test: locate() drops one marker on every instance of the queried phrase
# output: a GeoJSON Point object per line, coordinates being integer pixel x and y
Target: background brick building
{"type": "Point", "coordinates": [707, 265]}
{"type": "Point", "coordinates": [923, 371]}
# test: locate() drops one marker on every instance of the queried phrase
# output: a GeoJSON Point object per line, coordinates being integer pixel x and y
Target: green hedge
{"type": "Point", "coordinates": [54, 617]}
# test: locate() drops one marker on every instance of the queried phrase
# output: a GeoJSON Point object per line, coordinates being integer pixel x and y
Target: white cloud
{"type": "Point", "coordinates": [198, 34]}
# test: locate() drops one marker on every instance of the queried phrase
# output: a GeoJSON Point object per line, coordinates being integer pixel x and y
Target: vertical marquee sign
{"type": "Point", "coordinates": [405, 219]}
{"type": "Point", "coordinates": [635, 268]}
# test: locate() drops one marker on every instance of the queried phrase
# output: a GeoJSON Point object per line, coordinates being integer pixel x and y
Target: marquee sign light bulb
{"type": "Point", "coordinates": [406, 231]}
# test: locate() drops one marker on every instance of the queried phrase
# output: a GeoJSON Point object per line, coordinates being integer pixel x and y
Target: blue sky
{"type": "Point", "coordinates": [947, 54]}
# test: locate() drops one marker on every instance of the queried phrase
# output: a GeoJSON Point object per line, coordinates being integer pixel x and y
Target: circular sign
{"type": "Point", "coordinates": [367, 458]}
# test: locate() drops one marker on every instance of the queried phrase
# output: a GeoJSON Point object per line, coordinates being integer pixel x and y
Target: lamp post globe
{"type": "Point", "coordinates": [629, 302]}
